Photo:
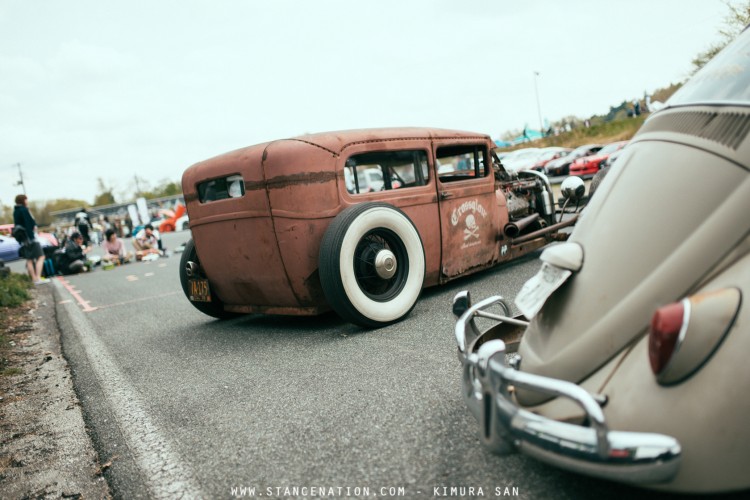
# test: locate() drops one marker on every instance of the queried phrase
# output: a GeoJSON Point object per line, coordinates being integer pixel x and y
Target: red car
{"type": "Point", "coordinates": [589, 165]}
{"type": "Point", "coordinates": [548, 155]}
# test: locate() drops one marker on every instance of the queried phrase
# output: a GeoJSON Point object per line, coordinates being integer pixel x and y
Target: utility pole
{"type": "Point", "coordinates": [20, 178]}
{"type": "Point", "coordinates": [538, 106]}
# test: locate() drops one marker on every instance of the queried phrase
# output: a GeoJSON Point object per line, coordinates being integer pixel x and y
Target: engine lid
{"type": "Point", "coordinates": [650, 234]}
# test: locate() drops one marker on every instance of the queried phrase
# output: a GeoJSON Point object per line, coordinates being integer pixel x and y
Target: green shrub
{"type": "Point", "coordinates": [14, 290]}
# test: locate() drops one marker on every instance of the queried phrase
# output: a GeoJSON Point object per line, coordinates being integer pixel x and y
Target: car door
{"type": "Point", "coordinates": [406, 181]}
{"type": "Point", "coordinates": [466, 198]}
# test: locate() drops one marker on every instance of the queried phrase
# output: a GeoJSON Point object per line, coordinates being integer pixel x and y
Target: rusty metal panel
{"type": "Point", "coordinates": [300, 179]}
{"type": "Point", "coordinates": [241, 260]}
{"type": "Point", "coordinates": [426, 219]}
{"type": "Point", "coordinates": [469, 225]}
{"type": "Point", "coordinates": [247, 163]}
{"type": "Point", "coordinates": [299, 245]}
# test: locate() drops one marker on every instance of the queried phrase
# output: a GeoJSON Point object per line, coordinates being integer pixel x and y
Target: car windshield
{"type": "Point", "coordinates": [579, 151]}
{"type": "Point", "coordinates": [528, 154]}
{"type": "Point", "coordinates": [610, 148]}
{"type": "Point", "coordinates": [726, 78]}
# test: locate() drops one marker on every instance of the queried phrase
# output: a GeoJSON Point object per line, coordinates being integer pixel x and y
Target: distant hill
{"type": "Point", "coordinates": [604, 133]}
{"type": "Point", "coordinates": [614, 126]}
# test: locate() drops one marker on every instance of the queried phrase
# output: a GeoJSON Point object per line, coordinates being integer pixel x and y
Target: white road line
{"type": "Point", "coordinates": [166, 475]}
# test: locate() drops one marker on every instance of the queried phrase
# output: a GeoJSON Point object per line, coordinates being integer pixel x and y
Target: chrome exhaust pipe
{"type": "Point", "coordinates": [513, 229]}
{"type": "Point", "coordinates": [192, 269]}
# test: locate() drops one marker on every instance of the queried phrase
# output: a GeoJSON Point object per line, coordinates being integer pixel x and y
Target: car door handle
{"type": "Point", "coordinates": [445, 195]}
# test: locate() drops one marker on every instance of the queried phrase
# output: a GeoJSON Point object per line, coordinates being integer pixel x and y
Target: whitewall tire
{"type": "Point", "coordinates": [372, 264]}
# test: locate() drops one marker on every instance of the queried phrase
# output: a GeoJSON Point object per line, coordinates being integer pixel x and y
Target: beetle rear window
{"type": "Point", "coordinates": [385, 170]}
{"type": "Point", "coordinates": [725, 78]}
{"type": "Point", "coordinates": [221, 189]}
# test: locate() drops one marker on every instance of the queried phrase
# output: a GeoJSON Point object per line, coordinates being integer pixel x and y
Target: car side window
{"type": "Point", "coordinates": [461, 162]}
{"type": "Point", "coordinates": [385, 170]}
{"type": "Point", "coordinates": [232, 186]}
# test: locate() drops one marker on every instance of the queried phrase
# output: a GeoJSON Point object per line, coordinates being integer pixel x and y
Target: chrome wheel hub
{"type": "Point", "coordinates": [385, 264]}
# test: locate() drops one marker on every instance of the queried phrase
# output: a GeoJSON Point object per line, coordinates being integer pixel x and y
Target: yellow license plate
{"type": "Point", "coordinates": [199, 291]}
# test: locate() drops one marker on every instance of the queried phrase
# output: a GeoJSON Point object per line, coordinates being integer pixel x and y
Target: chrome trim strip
{"type": "Point", "coordinates": [488, 382]}
{"type": "Point", "coordinates": [478, 310]}
{"type": "Point", "coordinates": [687, 309]}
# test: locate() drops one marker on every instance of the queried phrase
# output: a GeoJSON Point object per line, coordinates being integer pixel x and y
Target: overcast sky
{"type": "Point", "coordinates": [119, 89]}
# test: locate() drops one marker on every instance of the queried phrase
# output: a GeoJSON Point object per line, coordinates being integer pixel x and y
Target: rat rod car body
{"type": "Point", "coordinates": [634, 366]}
{"type": "Point", "coordinates": [285, 228]}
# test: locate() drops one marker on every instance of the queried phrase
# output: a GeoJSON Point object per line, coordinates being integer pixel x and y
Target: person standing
{"type": "Point", "coordinates": [31, 249]}
{"type": "Point", "coordinates": [84, 223]}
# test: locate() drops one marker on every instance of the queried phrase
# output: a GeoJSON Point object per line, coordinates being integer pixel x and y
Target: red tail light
{"type": "Point", "coordinates": [666, 325]}
{"type": "Point", "coordinates": [684, 335]}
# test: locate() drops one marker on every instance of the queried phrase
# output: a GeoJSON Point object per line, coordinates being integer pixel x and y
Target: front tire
{"type": "Point", "coordinates": [215, 308]}
{"type": "Point", "coordinates": [372, 264]}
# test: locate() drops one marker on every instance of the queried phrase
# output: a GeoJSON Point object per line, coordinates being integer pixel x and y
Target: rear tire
{"type": "Point", "coordinates": [215, 308]}
{"type": "Point", "coordinates": [372, 264]}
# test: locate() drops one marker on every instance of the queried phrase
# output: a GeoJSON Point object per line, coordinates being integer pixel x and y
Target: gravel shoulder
{"type": "Point", "coordinates": [45, 451]}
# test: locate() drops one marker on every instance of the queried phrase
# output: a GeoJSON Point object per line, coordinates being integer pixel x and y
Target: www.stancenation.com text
{"type": "Point", "coordinates": [368, 491]}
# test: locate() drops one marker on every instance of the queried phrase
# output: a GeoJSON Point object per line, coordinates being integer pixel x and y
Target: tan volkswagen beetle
{"type": "Point", "coordinates": [634, 365]}
{"type": "Point", "coordinates": [356, 221]}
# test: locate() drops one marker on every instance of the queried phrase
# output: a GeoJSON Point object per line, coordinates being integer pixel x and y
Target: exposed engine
{"type": "Point", "coordinates": [528, 197]}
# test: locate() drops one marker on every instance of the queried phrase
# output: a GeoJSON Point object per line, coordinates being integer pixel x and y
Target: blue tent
{"type": "Point", "coordinates": [527, 136]}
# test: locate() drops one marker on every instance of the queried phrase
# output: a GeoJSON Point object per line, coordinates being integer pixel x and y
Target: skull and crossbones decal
{"type": "Point", "coordinates": [472, 229]}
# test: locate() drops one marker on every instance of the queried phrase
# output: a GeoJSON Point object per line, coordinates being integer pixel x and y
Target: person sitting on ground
{"type": "Point", "coordinates": [74, 255]}
{"type": "Point", "coordinates": [146, 242]}
{"type": "Point", "coordinates": [114, 250]}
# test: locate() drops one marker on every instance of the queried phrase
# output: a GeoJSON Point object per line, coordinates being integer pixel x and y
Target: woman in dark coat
{"type": "Point", "coordinates": [31, 249]}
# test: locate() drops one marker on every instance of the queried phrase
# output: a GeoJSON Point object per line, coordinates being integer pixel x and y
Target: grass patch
{"type": "Point", "coordinates": [603, 133]}
{"type": "Point", "coordinates": [9, 372]}
{"type": "Point", "coordinates": [14, 290]}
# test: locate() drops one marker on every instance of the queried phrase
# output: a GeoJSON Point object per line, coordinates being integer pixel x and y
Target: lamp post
{"type": "Point", "coordinates": [20, 177]}
{"type": "Point", "coordinates": [538, 106]}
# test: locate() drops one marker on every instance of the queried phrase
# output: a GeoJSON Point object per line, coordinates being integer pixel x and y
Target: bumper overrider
{"type": "Point", "coordinates": [504, 427]}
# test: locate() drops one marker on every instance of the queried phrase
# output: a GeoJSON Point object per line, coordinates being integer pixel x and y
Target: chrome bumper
{"type": "Point", "coordinates": [504, 427]}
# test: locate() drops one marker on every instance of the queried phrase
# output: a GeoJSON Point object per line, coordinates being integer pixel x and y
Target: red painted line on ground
{"type": "Point", "coordinates": [84, 303]}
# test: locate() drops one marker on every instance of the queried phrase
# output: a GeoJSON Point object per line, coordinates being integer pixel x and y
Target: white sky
{"type": "Point", "coordinates": [117, 89]}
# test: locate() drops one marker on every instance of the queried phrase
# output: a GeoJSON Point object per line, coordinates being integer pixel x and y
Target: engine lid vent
{"type": "Point", "coordinates": [726, 128]}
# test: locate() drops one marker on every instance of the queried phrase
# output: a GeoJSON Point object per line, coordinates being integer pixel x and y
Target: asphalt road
{"type": "Point", "coordinates": [186, 406]}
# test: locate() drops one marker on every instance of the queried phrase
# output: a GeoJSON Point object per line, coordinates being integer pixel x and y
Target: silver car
{"type": "Point", "coordinates": [632, 363]}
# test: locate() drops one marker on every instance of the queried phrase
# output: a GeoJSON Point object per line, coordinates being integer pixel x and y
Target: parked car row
{"type": "Point", "coordinates": [584, 161]}
{"type": "Point", "coordinates": [531, 158]}
{"type": "Point", "coordinates": [561, 166]}
{"type": "Point", "coordinates": [590, 165]}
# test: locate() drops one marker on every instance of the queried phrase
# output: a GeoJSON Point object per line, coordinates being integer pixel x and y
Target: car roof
{"type": "Point", "coordinates": [340, 140]}
{"type": "Point", "coordinates": [336, 142]}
